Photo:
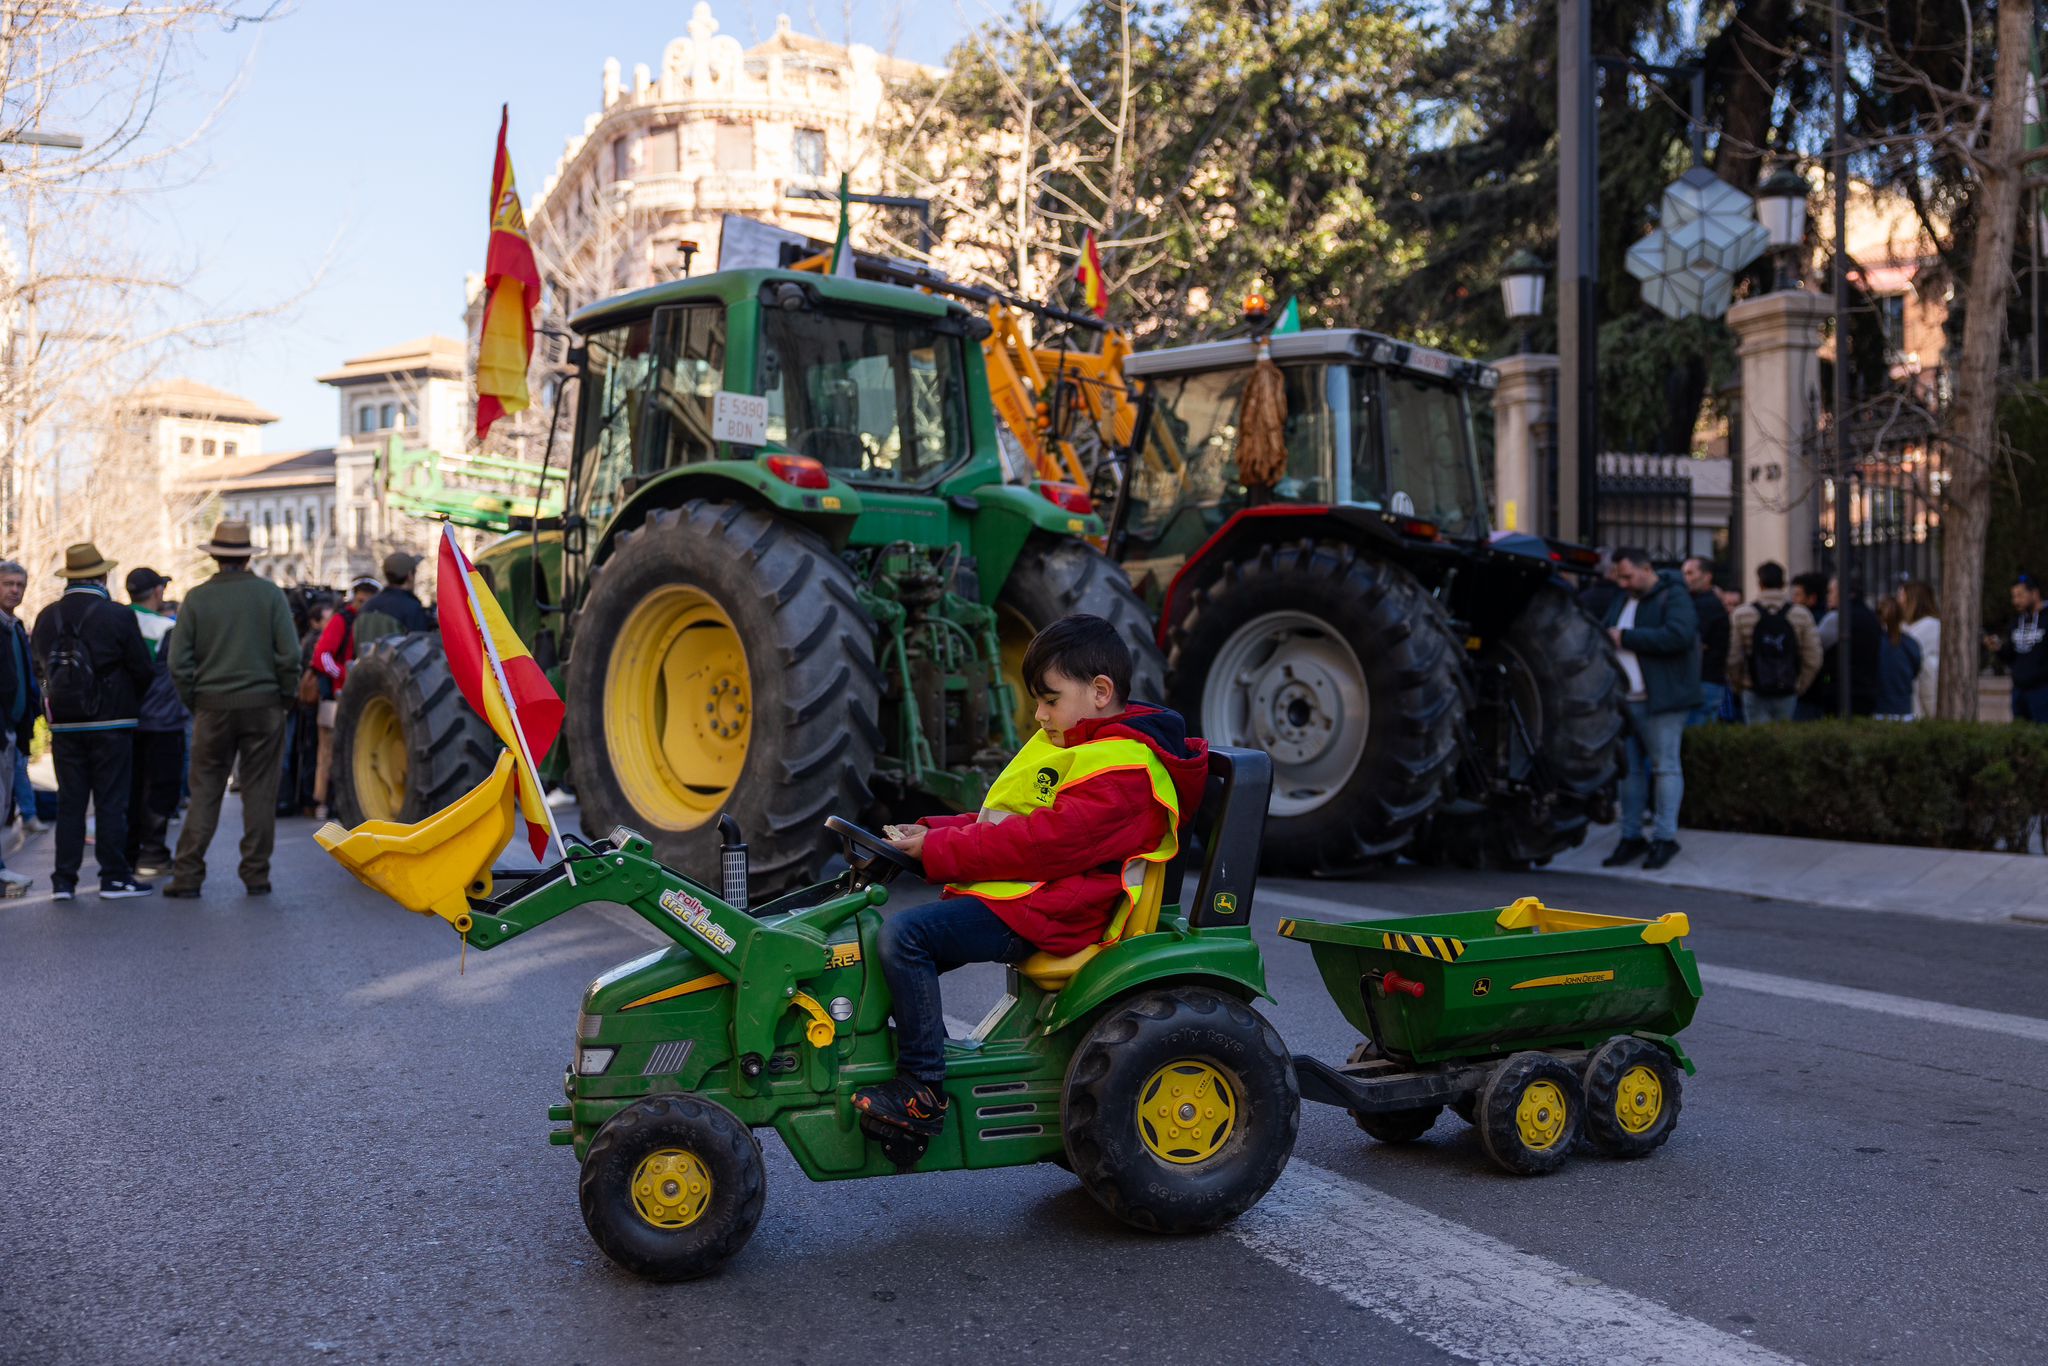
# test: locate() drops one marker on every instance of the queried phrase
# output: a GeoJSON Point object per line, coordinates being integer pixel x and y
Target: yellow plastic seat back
{"type": "Point", "coordinates": [1051, 972]}
{"type": "Point", "coordinates": [433, 866]}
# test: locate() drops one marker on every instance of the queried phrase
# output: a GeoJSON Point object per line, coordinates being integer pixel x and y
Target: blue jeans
{"type": "Point", "coordinates": [24, 790]}
{"type": "Point", "coordinates": [1709, 709]}
{"type": "Point", "coordinates": [1759, 710]}
{"type": "Point", "coordinates": [1653, 743]}
{"type": "Point", "coordinates": [915, 947]}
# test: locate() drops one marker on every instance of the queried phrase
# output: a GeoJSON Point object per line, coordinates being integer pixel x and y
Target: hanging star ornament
{"type": "Point", "coordinates": [1709, 233]}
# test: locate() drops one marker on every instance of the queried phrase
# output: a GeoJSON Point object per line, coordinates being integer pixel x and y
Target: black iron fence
{"type": "Point", "coordinates": [1649, 501]}
{"type": "Point", "coordinates": [1895, 489]}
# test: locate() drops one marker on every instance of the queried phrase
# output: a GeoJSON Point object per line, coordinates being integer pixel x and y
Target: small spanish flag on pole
{"type": "Point", "coordinates": [503, 682]}
{"type": "Point", "coordinates": [511, 289]}
{"type": "Point", "coordinates": [1094, 292]}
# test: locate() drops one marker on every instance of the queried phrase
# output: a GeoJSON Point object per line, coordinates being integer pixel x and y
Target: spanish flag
{"type": "Point", "coordinates": [511, 289]}
{"type": "Point", "coordinates": [501, 681]}
{"type": "Point", "coordinates": [1094, 292]}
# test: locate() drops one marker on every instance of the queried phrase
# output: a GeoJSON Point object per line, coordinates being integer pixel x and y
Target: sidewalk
{"type": "Point", "coordinates": [1944, 883]}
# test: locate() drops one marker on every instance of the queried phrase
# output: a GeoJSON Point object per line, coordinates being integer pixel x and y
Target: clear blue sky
{"type": "Point", "coordinates": [362, 135]}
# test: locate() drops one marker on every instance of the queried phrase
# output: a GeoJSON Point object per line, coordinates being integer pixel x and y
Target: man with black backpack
{"type": "Point", "coordinates": [1773, 650]}
{"type": "Point", "coordinates": [95, 670]}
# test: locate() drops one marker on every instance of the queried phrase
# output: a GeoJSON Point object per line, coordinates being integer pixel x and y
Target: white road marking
{"type": "Point", "coordinates": [1464, 1291]}
{"type": "Point", "coordinates": [2027, 1027]}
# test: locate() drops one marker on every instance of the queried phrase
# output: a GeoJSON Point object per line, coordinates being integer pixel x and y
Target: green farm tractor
{"type": "Point", "coordinates": [788, 579]}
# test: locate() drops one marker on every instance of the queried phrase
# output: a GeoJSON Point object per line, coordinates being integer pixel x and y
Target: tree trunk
{"type": "Point", "coordinates": [1972, 444]}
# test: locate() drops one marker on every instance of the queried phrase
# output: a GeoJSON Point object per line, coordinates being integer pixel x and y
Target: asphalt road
{"type": "Point", "coordinates": [291, 1129]}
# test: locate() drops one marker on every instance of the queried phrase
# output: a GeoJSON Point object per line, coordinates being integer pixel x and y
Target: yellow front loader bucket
{"type": "Point", "coordinates": [436, 865]}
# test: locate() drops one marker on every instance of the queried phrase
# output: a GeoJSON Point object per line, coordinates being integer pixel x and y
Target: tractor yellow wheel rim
{"type": "Point", "coordinates": [378, 761]}
{"type": "Point", "coordinates": [1013, 637]}
{"type": "Point", "coordinates": [678, 708]}
{"type": "Point", "coordinates": [671, 1188]}
{"type": "Point", "coordinates": [1639, 1100]}
{"type": "Point", "coordinates": [1540, 1115]}
{"type": "Point", "coordinates": [1186, 1112]}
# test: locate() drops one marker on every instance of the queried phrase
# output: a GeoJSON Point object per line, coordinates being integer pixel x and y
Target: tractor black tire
{"type": "Point", "coordinates": [1398, 1126]}
{"type": "Point", "coordinates": [1056, 578]}
{"type": "Point", "coordinates": [1625, 1120]}
{"type": "Point", "coordinates": [400, 693]}
{"type": "Point", "coordinates": [1507, 1141]}
{"type": "Point", "coordinates": [718, 1227]}
{"type": "Point", "coordinates": [1400, 642]}
{"type": "Point", "coordinates": [808, 702]}
{"type": "Point", "coordinates": [1125, 1061]}
{"type": "Point", "coordinates": [1571, 689]}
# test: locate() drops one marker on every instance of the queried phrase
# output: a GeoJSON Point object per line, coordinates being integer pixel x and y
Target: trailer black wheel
{"type": "Point", "coordinates": [1529, 1113]}
{"type": "Point", "coordinates": [1633, 1095]}
{"type": "Point", "coordinates": [405, 742]}
{"type": "Point", "coordinates": [722, 663]}
{"type": "Point", "coordinates": [1555, 665]}
{"type": "Point", "coordinates": [1053, 579]}
{"type": "Point", "coordinates": [1181, 1109]}
{"type": "Point", "coordinates": [1342, 668]}
{"type": "Point", "coordinates": [672, 1186]}
{"type": "Point", "coordinates": [1398, 1126]}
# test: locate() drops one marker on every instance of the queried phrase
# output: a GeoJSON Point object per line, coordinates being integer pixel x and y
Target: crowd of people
{"type": "Point", "coordinates": [157, 708]}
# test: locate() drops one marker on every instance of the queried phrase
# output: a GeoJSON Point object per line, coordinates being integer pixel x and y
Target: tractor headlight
{"type": "Point", "coordinates": [591, 1062]}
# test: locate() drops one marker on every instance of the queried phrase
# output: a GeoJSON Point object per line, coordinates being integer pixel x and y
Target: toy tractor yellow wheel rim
{"type": "Point", "coordinates": [1187, 1111]}
{"type": "Point", "coordinates": [1541, 1116]}
{"type": "Point", "coordinates": [1013, 636]}
{"type": "Point", "coordinates": [678, 708]}
{"type": "Point", "coordinates": [671, 1188]}
{"type": "Point", "coordinates": [1639, 1099]}
{"type": "Point", "coordinates": [378, 761]}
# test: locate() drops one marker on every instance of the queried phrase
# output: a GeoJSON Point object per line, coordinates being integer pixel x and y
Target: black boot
{"type": "Point", "coordinates": [904, 1103]}
{"type": "Point", "coordinates": [1627, 852]}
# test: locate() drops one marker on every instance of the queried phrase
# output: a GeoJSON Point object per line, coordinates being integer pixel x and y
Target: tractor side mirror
{"type": "Point", "coordinates": [574, 536]}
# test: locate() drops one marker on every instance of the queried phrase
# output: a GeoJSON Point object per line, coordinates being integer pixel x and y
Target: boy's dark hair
{"type": "Point", "coordinates": [1770, 574]}
{"type": "Point", "coordinates": [1079, 646]}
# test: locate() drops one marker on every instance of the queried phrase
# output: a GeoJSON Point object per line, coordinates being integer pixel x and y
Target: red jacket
{"type": "Point", "coordinates": [1076, 846]}
{"type": "Point", "coordinates": [336, 648]}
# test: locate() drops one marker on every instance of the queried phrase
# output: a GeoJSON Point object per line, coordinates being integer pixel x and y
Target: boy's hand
{"type": "Point", "coordinates": [908, 839]}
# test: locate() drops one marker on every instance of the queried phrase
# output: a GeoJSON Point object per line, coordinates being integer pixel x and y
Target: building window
{"type": "Point", "coordinates": [412, 416]}
{"type": "Point", "coordinates": [227, 448]}
{"type": "Point", "coordinates": [366, 418]}
{"type": "Point", "coordinates": [184, 445]}
{"type": "Point", "coordinates": [810, 151]}
{"type": "Point", "coordinates": [622, 159]}
{"type": "Point", "coordinates": [206, 447]}
{"type": "Point", "coordinates": [269, 527]}
{"type": "Point", "coordinates": [312, 526]}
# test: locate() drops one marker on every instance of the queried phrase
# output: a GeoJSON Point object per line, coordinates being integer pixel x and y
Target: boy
{"type": "Point", "coordinates": [1061, 843]}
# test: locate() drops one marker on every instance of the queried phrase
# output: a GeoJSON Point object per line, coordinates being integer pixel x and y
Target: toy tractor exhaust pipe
{"type": "Point", "coordinates": [732, 863]}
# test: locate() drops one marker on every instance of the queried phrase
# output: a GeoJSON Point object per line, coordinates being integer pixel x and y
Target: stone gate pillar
{"type": "Point", "coordinates": [1519, 497]}
{"type": "Point", "coordinates": [1780, 337]}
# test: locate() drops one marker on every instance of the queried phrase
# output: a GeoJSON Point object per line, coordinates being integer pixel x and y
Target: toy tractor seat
{"type": "Point", "coordinates": [1225, 833]}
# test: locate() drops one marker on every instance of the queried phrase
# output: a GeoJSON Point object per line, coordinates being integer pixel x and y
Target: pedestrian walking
{"type": "Point", "coordinates": [1898, 663]}
{"type": "Point", "coordinates": [19, 725]}
{"type": "Point", "coordinates": [333, 652]}
{"type": "Point", "coordinates": [1713, 615]}
{"type": "Point", "coordinates": [159, 767]}
{"type": "Point", "coordinates": [394, 610]}
{"type": "Point", "coordinates": [235, 662]}
{"type": "Point", "coordinates": [2019, 645]}
{"type": "Point", "coordinates": [95, 670]}
{"type": "Point", "coordinates": [1773, 650]}
{"type": "Point", "coordinates": [1655, 631]}
{"type": "Point", "coordinates": [1923, 623]}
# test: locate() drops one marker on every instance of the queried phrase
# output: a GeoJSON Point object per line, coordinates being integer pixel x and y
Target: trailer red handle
{"type": "Point", "coordinates": [1394, 981]}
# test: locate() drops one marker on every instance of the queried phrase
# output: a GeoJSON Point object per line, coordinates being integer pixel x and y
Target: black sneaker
{"type": "Point", "coordinates": [1627, 852]}
{"type": "Point", "coordinates": [117, 888]}
{"type": "Point", "coordinates": [904, 1103]}
{"type": "Point", "coordinates": [1661, 853]}
{"type": "Point", "coordinates": [63, 893]}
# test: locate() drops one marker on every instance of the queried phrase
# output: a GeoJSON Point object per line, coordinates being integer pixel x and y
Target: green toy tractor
{"type": "Point", "coordinates": [788, 579]}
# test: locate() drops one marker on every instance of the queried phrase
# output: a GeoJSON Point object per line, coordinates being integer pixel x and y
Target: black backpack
{"type": "Point", "coordinates": [1774, 653]}
{"type": "Point", "coordinates": [71, 686]}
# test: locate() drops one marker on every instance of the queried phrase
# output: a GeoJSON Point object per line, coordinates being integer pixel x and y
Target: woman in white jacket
{"type": "Point", "coordinates": [1923, 625]}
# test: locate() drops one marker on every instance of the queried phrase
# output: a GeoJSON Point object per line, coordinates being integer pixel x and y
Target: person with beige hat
{"type": "Point", "coordinates": [95, 669]}
{"type": "Point", "coordinates": [235, 663]}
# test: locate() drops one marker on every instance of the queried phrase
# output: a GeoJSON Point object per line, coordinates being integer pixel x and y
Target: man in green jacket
{"type": "Point", "coordinates": [235, 663]}
{"type": "Point", "coordinates": [1656, 635]}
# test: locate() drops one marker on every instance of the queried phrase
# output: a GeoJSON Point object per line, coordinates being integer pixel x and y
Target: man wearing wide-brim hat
{"type": "Point", "coordinates": [235, 662]}
{"type": "Point", "coordinates": [95, 670]}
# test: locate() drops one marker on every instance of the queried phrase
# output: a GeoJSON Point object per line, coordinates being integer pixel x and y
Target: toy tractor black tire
{"type": "Point", "coordinates": [651, 1162]}
{"type": "Point", "coordinates": [406, 744]}
{"type": "Point", "coordinates": [1554, 660]}
{"type": "Point", "coordinates": [1530, 1112]}
{"type": "Point", "coordinates": [1378, 673]}
{"type": "Point", "coordinates": [721, 663]}
{"type": "Point", "coordinates": [1634, 1092]}
{"type": "Point", "coordinates": [1053, 579]}
{"type": "Point", "coordinates": [1398, 1126]}
{"type": "Point", "coordinates": [1181, 1107]}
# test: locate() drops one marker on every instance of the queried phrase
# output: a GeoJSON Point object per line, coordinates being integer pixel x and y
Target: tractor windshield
{"type": "Point", "coordinates": [875, 399]}
{"type": "Point", "coordinates": [1425, 465]}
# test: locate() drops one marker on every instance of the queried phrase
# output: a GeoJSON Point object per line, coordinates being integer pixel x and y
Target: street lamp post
{"type": "Point", "coordinates": [1781, 208]}
{"type": "Point", "coordinates": [1521, 293]}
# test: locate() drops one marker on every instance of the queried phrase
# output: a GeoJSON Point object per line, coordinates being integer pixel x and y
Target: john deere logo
{"type": "Point", "coordinates": [1482, 986]}
{"type": "Point", "coordinates": [1046, 780]}
{"type": "Point", "coordinates": [1225, 904]}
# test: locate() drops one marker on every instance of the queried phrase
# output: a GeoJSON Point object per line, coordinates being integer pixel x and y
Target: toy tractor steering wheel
{"type": "Point", "coordinates": [872, 858]}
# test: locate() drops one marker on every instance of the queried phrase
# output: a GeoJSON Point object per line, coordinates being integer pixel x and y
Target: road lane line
{"type": "Point", "coordinates": [2026, 1027]}
{"type": "Point", "coordinates": [1464, 1291]}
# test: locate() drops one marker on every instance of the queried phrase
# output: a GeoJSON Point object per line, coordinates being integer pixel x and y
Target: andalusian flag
{"type": "Point", "coordinates": [842, 246]}
{"type": "Point", "coordinates": [1290, 318]}
{"type": "Point", "coordinates": [511, 289]}
{"type": "Point", "coordinates": [1094, 291]}
{"type": "Point", "coordinates": [502, 681]}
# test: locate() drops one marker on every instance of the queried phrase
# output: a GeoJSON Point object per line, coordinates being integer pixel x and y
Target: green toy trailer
{"type": "Point", "coordinates": [1533, 1024]}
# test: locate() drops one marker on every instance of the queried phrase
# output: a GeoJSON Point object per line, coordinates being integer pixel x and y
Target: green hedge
{"type": "Point", "coordinates": [1947, 784]}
